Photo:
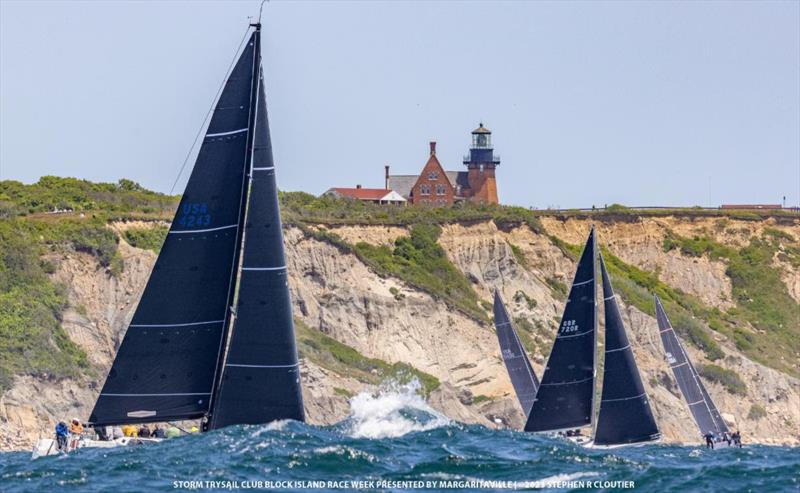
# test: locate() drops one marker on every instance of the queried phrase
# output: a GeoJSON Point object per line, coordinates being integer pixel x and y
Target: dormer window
{"type": "Point", "coordinates": [433, 175]}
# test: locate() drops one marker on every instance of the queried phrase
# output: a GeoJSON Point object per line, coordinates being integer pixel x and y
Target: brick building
{"type": "Point", "coordinates": [435, 186]}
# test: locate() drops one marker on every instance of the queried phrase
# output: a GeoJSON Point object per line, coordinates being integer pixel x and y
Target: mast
{"type": "Point", "coordinates": [566, 393]}
{"type": "Point", "coordinates": [255, 44]}
{"type": "Point", "coordinates": [260, 376]}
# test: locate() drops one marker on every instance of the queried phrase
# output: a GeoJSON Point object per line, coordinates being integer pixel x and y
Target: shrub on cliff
{"type": "Point", "coordinates": [727, 378]}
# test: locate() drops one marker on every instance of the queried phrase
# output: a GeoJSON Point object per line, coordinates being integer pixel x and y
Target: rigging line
{"type": "Point", "coordinates": [210, 110]}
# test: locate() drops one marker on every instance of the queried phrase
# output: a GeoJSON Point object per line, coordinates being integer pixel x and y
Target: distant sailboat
{"type": "Point", "coordinates": [565, 399]}
{"type": "Point", "coordinates": [523, 378]}
{"type": "Point", "coordinates": [212, 336]}
{"type": "Point", "coordinates": [703, 410]}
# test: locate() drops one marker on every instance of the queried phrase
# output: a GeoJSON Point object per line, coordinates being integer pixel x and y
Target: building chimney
{"type": "Point", "coordinates": [386, 178]}
{"type": "Point", "coordinates": [433, 147]}
{"type": "Point", "coordinates": [358, 187]}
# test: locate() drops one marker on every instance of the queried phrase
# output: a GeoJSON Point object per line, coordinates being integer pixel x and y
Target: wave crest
{"type": "Point", "coordinates": [392, 410]}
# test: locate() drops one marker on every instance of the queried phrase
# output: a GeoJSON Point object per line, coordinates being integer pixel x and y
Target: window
{"type": "Point", "coordinates": [425, 189]}
{"type": "Point", "coordinates": [433, 175]}
{"type": "Point", "coordinates": [441, 190]}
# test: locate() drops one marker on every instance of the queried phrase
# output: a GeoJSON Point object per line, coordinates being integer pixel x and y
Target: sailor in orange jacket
{"type": "Point", "coordinates": [75, 429]}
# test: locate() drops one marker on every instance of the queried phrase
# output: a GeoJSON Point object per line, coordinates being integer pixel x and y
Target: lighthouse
{"type": "Point", "coordinates": [481, 163]}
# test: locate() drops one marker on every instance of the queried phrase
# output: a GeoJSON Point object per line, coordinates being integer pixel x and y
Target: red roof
{"type": "Point", "coordinates": [362, 193]}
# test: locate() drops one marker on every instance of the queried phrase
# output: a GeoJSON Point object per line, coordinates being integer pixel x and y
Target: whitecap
{"type": "Point", "coordinates": [391, 411]}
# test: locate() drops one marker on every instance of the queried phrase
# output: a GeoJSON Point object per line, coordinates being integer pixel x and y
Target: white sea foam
{"type": "Point", "coordinates": [563, 478]}
{"type": "Point", "coordinates": [392, 410]}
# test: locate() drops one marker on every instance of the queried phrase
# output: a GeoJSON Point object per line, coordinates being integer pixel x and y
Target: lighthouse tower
{"type": "Point", "coordinates": [481, 163]}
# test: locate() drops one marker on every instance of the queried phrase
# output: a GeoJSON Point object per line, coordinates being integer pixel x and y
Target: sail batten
{"type": "Point", "coordinates": [168, 358]}
{"type": "Point", "coordinates": [520, 371]}
{"type": "Point", "coordinates": [703, 410]}
{"type": "Point", "coordinates": [625, 415]}
{"type": "Point", "coordinates": [565, 395]}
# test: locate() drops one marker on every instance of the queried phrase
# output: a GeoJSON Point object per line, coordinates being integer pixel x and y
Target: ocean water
{"type": "Point", "coordinates": [394, 442]}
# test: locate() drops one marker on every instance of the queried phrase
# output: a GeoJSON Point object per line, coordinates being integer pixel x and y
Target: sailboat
{"type": "Point", "coordinates": [523, 378]}
{"type": "Point", "coordinates": [625, 416]}
{"type": "Point", "coordinates": [212, 337]}
{"type": "Point", "coordinates": [703, 410]}
{"type": "Point", "coordinates": [566, 395]}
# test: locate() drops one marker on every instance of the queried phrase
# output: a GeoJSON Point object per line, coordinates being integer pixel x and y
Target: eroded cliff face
{"type": "Point", "coordinates": [336, 293]}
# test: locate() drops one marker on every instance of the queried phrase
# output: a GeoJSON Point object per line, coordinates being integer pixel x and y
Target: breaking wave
{"type": "Point", "coordinates": [390, 411]}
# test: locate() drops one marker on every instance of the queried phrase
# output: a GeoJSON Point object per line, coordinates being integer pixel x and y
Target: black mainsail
{"type": "Point", "coordinates": [261, 380]}
{"type": "Point", "coordinates": [170, 365]}
{"type": "Point", "coordinates": [566, 393]}
{"type": "Point", "coordinates": [703, 410]}
{"type": "Point", "coordinates": [625, 416]}
{"type": "Point", "coordinates": [523, 378]}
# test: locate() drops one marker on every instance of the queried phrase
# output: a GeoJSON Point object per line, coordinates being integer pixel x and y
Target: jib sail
{"type": "Point", "coordinates": [625, 415]}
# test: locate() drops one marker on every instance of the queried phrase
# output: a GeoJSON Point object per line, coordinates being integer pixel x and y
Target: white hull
{"type": "Point", "coordinates": [592, 445]}
{"type": "Point", "coordinates": [48, 446]}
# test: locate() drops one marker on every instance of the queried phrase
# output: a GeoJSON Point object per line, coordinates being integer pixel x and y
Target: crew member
{"type": "Point", "coordinates": [62, 431]}
{"type": "Point", "coordinates": [76, 430]}
{"type": "Point", "coordinates": [709, 440]}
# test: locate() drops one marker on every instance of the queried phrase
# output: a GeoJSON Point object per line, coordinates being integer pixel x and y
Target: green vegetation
{"type": "Point", "coordinates": [396, 293]}
{"type": "Point", "coordinates": [421, 262]}
{"type": "Point", "coordinates": [32, 341]}
{"type": "Point", "coordinates": [558, 288]}
{"type": "Point", "coordinates": [51, 193]}
{"type": "Point", "coordinates": [306, 208]}
{"type": "Point", "coordinates": [761, 297]}
{"type": "Point", "coordinates": [518, 255]}
{"type": "Point", "coordinates": [727, 378]}
{"type": "Point", "coordinates": [333, 355]}
{"type": "Point", "coordinates": [756, 412]}
{"type": "Point", "coordinates": [481, 398]}
{"type": "Point", "coordinates": [343, 392]}
{"type": "Point", "coordinates": [147, 238]}
{"type": "Point", "coordinates": [521, 296]}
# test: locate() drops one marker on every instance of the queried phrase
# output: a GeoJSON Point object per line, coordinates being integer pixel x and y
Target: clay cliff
{"type": "Point", "coordinates": [336, 292]}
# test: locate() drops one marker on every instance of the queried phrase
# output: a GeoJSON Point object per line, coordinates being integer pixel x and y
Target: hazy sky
{"type": "Point", "coordinates": [641, 103]}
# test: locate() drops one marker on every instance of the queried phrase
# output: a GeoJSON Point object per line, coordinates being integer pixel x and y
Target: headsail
{"type": "Point", "coordinates": [261, 377]}
{"type": "Point", "coordinates": [625, 415]}
{"type": "Point", "coordinates": [165, 366]}
{"type": "Point", "coordinates": [703, 410]}
{"type": "Point", "coordinates": [523, 378]}
{"type": "Point", "coordinates": [565, 395]}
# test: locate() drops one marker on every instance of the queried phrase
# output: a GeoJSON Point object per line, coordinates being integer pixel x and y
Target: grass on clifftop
{"type": "Point", "coordinates": [340, 358]}
{"type": "Point", "coordinates": [32, 341]}
{"type": "Point", "coordinates": [124, 198]}
{"type": "Point", "coordinates": [306, 208]}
